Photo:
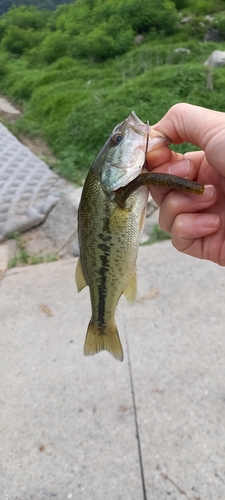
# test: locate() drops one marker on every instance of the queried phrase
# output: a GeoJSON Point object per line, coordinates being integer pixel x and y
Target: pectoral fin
{"type": "Point", "coordinates": [79, 277]}
{"type": "Point", "coordinates": [130, 291]}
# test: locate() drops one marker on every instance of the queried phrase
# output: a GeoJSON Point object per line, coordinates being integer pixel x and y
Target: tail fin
{"type": "Point", "coordinates": [107, 340]}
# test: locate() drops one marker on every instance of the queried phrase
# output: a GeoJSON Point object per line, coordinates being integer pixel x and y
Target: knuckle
{"type": "Point", "coordinates": [178, 108]}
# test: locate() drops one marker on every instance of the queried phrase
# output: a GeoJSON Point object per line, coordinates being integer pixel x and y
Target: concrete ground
{"type": "Point", "coordinates": [67, 428]}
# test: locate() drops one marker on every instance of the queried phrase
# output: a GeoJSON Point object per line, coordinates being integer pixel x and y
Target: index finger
{"type": "Point", "coordinates": [188, 166]}
{"type": "Point", "coordinates": [159, 156]}
{"type": "Point", "coordinates": [200, 126]}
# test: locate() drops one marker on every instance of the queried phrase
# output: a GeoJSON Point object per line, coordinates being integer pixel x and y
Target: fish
{"type": "Point", "coordinates": [111, 217]}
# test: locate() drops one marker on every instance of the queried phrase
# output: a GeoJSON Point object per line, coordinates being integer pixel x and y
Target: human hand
{"type": "Point", "coordinates": [196, 223]}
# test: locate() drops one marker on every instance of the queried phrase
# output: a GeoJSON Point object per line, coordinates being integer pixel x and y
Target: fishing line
{"type": "Point", "coordinates": [147, 139]}
{"type": "Point", "coordinates": [135, 417]}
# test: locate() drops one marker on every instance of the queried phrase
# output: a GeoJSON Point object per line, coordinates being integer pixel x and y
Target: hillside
{"type": "Point", "coordinates": [78, 71]}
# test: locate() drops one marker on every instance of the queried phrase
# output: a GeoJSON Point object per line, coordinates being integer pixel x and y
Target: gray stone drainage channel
{"type": "Point", "coordinates": [28, 188]}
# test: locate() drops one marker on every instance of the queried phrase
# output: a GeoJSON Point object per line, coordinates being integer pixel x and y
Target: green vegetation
{"type": "Point", "coordinates": [26, 259]}
{"type": "Point", "coordinates": [77, 72]}
{"type": "Point", "coordinates": [157, 235]}
{"type": "Point", "coordinates": [23, 258]}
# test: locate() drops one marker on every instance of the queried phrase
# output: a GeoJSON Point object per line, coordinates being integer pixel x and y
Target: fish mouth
{"type": "Point", "coordinates": [154, 138]}
{"type": "Point", "coordinates": [137, 125]}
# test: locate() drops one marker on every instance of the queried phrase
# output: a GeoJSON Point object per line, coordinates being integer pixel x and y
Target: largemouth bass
{"type": "Point", "coordinates": [111, 218]}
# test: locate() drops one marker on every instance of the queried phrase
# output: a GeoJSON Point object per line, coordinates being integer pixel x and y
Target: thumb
{"type": "Point", "coordinates": [200, 126]}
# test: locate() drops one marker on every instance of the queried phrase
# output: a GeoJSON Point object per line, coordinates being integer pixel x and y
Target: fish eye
{"type": "Point", "coordinates": [116, 138]}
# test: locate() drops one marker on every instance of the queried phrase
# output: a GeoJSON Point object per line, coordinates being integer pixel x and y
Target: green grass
{"type": "Point", "coordinates": [157, 235]}
{"type": "Point", "coordinates": [22, 257]}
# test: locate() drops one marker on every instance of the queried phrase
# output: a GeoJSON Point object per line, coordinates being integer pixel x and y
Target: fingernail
{"type": "Point", "coordinates": [208, 220]}
{"type": "Point", "coordinates": [208, 194]}
{"type": "Point", "coordinates": [181, 168]}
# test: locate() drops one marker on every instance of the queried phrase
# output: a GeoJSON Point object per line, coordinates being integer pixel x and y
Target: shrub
{"type": "Point", "coordinates": [54, 45]}
{"type": "Point", "coordinates": [101, 43]}
{"type": "Point", "coordinates": [25, 18]}
{"type": "Point", "coordinates": [17, 40]}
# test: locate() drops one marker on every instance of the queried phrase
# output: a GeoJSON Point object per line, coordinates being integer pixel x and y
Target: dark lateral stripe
{"type": "Point", "coordinates": [105, 242]}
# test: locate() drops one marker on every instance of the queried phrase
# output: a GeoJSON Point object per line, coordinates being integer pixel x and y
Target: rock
{"type": "Point", "coordinates": [181, 49]}
{"type": "Point", "coordinates": [138, 39]}
{"type": "Point", "coordinates": [185, 19]}
{"type": "Point", "coordinates": [209, 18]}
{"type": "Point", "coordinates": [7, 107]}
{"type": "Point", "coordinates": [212, 36]}
{"type": "Point", "coordinates": [217, 58]}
